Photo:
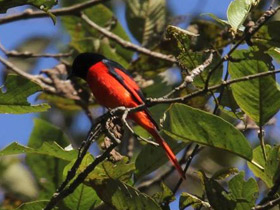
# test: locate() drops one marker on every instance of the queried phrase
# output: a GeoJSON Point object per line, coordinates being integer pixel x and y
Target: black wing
{"type": "Point", "coordinates": [111, 65]}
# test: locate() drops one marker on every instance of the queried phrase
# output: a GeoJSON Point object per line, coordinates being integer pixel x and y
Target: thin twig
{"type": "Point", "coordinates": [124, 117]}
{"type": "Point", "coordinates": [248, 34]}
{"type": "Point", "coordinates": [267, 205]}
{"type": "Point", "coordinates": [221, 91]}
{"type": "Point", "coordinates": [261, 139]}
{"type": "Point", "coordinates": [102, 124]}
{"type": "Point", "coordinates": [190, 158]}
{"type": "Point", "coordinates": [34, 78]}
{"type": "Point", "coordinates": [153, 101]}
{"type": "Point", "coordinates": [271, 192]}
{"type": "Point", "coordinates": [126, 44]}
{"type": "Point", "coordinates": [27, 54]}
{"type": "Point", "coordinates": [80, 178]}
{"type": "Point", "coordinates": [82, 152]}
{"type": "Point", "coordinates": [189, 78]}
{"type": "Point", "coordinates": [29, 13]}
{"type": "Point", "coordinates": [147, 184]}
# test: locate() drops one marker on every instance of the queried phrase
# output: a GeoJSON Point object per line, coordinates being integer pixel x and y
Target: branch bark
{"type": "Point", "coordinates": [126, 44]}
{"type": "Point", "coordinates": [29, 13]}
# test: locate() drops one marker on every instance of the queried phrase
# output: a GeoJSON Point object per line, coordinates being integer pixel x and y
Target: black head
{"type": "Point", "coordinates": [83, 62]}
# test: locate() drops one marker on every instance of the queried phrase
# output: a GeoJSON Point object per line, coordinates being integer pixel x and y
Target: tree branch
{"type": "Point", "coordinates": [189, 78]}
{"type": "Point", "coordinates": [268, 205]}
{"type": "Point", "coordinates": [126, 44]}
{"type": "Point", "coordinates": [80, 178]}
{"type": "Point", "coordinates": [29, 13]}
{"type": "Point", "coordinates": [27, 54]}
{"type": "Point", "coordinates": [34, 78]}
{"type": "Point", "coordinates": [153, 101]}
{"type": "Point", "coordinates": [246, 37]}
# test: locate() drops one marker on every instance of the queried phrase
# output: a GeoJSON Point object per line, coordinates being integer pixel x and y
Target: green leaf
{"type": "Point", "coordinates": [181, 36]}
{"type": "Point", "coordinates": [48, 148]}
{"type": "Point", "coordinates": [60, 102]}
{"type": "Point", "coordinates": [34, 205]}
{"type": "Point", "coordinates": [259, 159]}
{"type": "Point", "coordinates": [189, 124]}
{"type": "Point", "coordinates": [121, 196]}
{"type": "Point", "coordinates": [121, 170]}
{"type": "Point", "coordinates": [218, 197]}
{"type": "Point", "coordinates": [187, 199]}
{"type": "Point", "coordinates": [268, 35]}
{"type": "Point", "coordinates": [86, 39]}
{"type": "Point", "coordinates": [271, 165]}
{"type": "Point", "coordinates": [165, 195]}
{"type": "Point", "coordinates": [46, 169]}
{"type": "Point", "coordinates": [191, 60]}
{"type": "Point", "coordinates": [146, 19]}
{"type": "Point", "coordinates": [40, 4]}
{"type": "Point", "coordinates": [237, 12]}
{"type": "Point", "coordinates": [151, 158]}
{"type": "Point", "coordinates": [211, 35]}
{"type": "Point", "coordinates": [13, 99]}
{"type": "Point", "coordinates": [258, 98]}
{"type": "Point", "coordinates": [274, 53]}
{"type": "Point", "coordinates": [224, 173]}
{"type": "Point", "coordinates": [83, 197]}
{"type": "Point", "coordinates": [243, 192]}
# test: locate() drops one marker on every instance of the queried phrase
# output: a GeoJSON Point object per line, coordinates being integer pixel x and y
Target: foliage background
{"type": "Point", "coordinates": [18, 127]}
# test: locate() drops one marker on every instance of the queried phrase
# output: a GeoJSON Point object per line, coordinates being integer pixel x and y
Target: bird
{"type": "Point", "coordinates": [112, 87]}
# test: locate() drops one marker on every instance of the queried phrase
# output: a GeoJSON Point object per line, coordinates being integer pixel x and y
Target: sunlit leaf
{"type": "Point", "coordinates": [237, 12]}
{"type": "Point", "coordinates": [187, 199]}
{"type": "Point", "coordinates": [258, 98]}
{"type": "Point", "coordinates": [188, 124]}
{"type": "Point", "coordinates": [259, 159]}
{"type": "Point", "coordinates": [48, 148]}
{"type": "Point", "coordinates": [244, 193]}
{"type": "Point", "coordinates": [224, 173]}
{"type": "Point", "coordinates": [14, 93]}
{"type": "Point", "coordinates": [40, 4]}
{"type": "Point", "coordinates": [271, 165]}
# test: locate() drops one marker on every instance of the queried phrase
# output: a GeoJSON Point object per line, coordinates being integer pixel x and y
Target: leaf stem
{"type": "Point", "coordinates": [261, 138]}
{"type": "Point", "coordinates": [256, 164]}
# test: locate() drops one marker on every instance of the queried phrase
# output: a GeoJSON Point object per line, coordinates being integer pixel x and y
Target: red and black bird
{"type": "Point", "coordinates": [112, 87]}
